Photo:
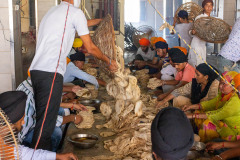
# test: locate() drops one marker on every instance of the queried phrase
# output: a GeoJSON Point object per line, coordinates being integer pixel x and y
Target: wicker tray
{"type": "Point", "coordinates": [143, 32]}
{"type": "Point", "coordinates": [193, 11]}
{"type": "Point", "coordinates": [104, 39]}
{"type": "Point", "coordinates": [212, 30]}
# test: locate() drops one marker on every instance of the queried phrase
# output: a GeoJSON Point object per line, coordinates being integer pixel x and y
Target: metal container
{"type": "Point", "coordinates": [83, 141]}
{"type": "Point", "coordinates": [93, 103]}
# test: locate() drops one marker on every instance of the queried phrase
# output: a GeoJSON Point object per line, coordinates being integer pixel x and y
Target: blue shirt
{"type": "Point", "coordinates": [73, 72]}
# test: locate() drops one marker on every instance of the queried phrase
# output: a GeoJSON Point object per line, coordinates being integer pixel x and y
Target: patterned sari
{"type": "Point", "coordinates": [223, 120]}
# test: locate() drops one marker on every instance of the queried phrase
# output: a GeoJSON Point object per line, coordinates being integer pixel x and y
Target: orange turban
{"type": "Point", "coordinates": [152, 40]}
{"type": "Point", "coordinates": [184, 50]}
{"type": "Point", "coordinates": [144, 42]}
{"type": "Point", "coordinates": [159, 39]}
{"type": "Point", "coordinates": [237, 80]}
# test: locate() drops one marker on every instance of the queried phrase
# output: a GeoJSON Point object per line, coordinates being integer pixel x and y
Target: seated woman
{"type": "Point", "coordinates": [219, 117]}
{"type": "Point", "coordinates": [202, 88]}
{"type": "Point", "coordinates": [223, 149]}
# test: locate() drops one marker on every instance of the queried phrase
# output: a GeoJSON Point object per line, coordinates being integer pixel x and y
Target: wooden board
{"type": "Point", "coordinates": [212, 30]}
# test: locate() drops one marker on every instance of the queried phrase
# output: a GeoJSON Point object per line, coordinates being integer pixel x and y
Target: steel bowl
{"type": "Point", "coordinates": [93, 103]}
{"type": "Point", "coordinates": [87, 102]}
{"type": "Point", "coordinates": [84, 141]}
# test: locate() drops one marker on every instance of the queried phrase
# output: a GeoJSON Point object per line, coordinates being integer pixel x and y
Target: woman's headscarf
{"type": "Point", "coordinates": [197, 94]}
{"type": "Point", "coordinates": [229, 76]}
{"type": "Point", "coordinates": [237, 80]}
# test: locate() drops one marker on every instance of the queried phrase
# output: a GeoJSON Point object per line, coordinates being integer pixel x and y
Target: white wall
{"type": "Point", "coordinates": [6, 64]}
{"type": "Point", "coordinates": [229, 11]}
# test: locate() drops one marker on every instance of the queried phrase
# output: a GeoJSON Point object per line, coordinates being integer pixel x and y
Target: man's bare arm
{"type": "Point", "coordinates": [94, 50]}
{"type": "Point", "coordinates": [93, 22]}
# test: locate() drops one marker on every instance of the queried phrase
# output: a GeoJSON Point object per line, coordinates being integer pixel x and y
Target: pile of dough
{"type": "Point", "coordinates": [86, 66]}
{"type": "Point", "coordinates": [88, 118]}
{"type": "Point", "coordinates": [142, 72]}
{"type": "Point", "coordinates": [106, 110]}
{"type": "Point", "coordinates": [84, 93]}
{"type": "Point", "coordinates": [107, 134]}
{"type": "Point", "coordinates": [119, 57]}
{"type": "Point", "coordinates": [124, 87]}
{"type": "Point", "coordinates": [129, 116]}
{"type": "Point", "coordinates": [154, 83]}
{"type": "Point", "coordinates": [88, 69]}
{"type": "Point", "coordinates": [142, 77]}
{"type": "Point", "coordinates": [91, 71]}
{"type": "Point", "coordinates": [93, 91]}
{"type": "Point", "coordinates": [103, 76]}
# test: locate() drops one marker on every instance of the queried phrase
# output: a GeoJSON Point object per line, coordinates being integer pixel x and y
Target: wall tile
{"type": "Point", "coordinates": [6, 82]}
{"type": "Point", "coordinates": [4, 41]}
{"type": "Point", "coordinates": [4, 3]}
{"type": "Point", "coordinates": [5, 63]}
{"type": "Point", "coordinates": [4, 18]}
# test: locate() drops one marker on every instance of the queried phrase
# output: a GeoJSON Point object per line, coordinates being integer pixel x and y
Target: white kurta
{"type": "Point", "coordinates": [199, 46]}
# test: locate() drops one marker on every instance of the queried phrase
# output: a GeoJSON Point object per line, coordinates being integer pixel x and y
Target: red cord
{"type": "Point", "coordinates": [40, 134]}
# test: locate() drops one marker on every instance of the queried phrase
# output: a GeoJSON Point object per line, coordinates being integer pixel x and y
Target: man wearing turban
{"type": "Point", "coordinates": [183, 28]}
{"type": "Point", "coordinates": [185, 72]}
{"type": "Point", "coordinates": [74, 71]}
{"type": "Point", "coordinates": [144, 53]}
{"type": "Point", "coordinates": [161, 57]}
{"type": "Point", "coordinates": [13, 104]}
{"type": "Point", "coordinates": [171, 134]}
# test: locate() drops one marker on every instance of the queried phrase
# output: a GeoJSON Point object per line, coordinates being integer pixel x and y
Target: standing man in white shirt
{"type": "Point", "coordinates": [57, 30]}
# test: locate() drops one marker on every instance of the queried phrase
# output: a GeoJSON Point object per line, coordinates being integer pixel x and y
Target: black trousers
{"type": "Point", "coordinates": [41, 82]}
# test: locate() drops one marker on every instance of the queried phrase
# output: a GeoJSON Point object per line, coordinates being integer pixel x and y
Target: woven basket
{"type": "Point", "coordinates": [143, 32]}
{"type": "Point", "coordinates": [104, 39]}
{"type": "Point", "coordinates": [193, 11]}
{"type": "Point", "coordinates": [212, 30]}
